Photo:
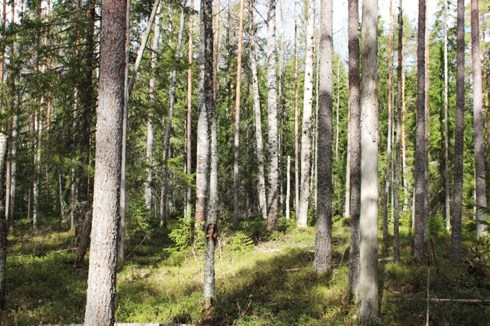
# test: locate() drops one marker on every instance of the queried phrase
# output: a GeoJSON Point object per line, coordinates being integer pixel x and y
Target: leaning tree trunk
{"type": "Point", "coordinates": [236, 143]}
{"type": "Point", "coordinates": [354, 146]}
{"type": "Point", "coordinates": [273, 197]}
{"type": "Point", "coordinates": [420, 152]}
{"type": "Point", "coordinates": [368, 278]}
{"type": "Point", "coordinates": [101, 292]}
{"type": "Point", "coordinates": [480, 179]}
{"type": "Point", "coordinates": [323, 239]}
{"type": "Point", "coordinates": [257, 117]}
{"type": "Point", "coordinates": [302, 218]}
{"type": "Point", "coordinates": [168, 127]}
{"type": "Point", "coordinates": [456, 235]}
{"type": "Point", "coordinates": [3, 222]}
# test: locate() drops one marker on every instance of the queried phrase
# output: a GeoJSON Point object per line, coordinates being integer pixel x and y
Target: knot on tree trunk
{"type": "Point", "coordinates": [211, 232]}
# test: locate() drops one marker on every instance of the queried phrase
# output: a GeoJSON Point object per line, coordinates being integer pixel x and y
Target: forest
{"type": "Point", "coordinates": [244, 162]}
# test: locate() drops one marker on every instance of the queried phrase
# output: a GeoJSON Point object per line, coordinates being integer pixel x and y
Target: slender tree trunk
{"type": "Point", "coordinates": [12, 181]}
{"type": "Point", "coordinates": [426, 129]}
{"type": "Point", "coordinates": [168, 127]}
{"type": "Point", "coordinates": [420, 152]}
{"type": "Point", "coordinates": [288, 188]}
{"type": "Point", "coordinates": [398, 167]}
{"type": "Point", "coordinates": [368, 279]}
{"type": "Point", "coordinates": [257, 117]}
{"type": "Point", "coordinates": [149, 122]}
{"type": "Point", "coordinates": [456, 232]}
{"type": "Point", "coordinates": [447, 205]}
{"type": "Point", "coordinates": [101, 292]}
{"type": "Point", "coordinates": [478, 122]}
{"type": "Point", "coordinates": [236, 143]}
{"type": "Point", "coordinates": [354, 146]}
{"type": "Point", "coordinates": [3, 222]}
{"type": "Point", "coordinates": [206, 143]}
{"type": "Point", "coordinates": [337, 115]}
{"type": "Point", "coordinates": [323, 239]}
{"type": "Point", "coordinates": [302, 218]}
{"type": "Point", "coordinates": [216, 51]}
{"type": "Point", "coordinates": [296, 121]}
{"type": "Point", "coordinates": [188, 122]}
{"type": "Point", "coordinates": [273, 200]}
{"type": "Point", "coordinates": [389, 153]}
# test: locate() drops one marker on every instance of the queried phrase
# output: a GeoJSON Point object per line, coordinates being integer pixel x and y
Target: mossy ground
{"type": "Point", "coordinates": [269, 283]}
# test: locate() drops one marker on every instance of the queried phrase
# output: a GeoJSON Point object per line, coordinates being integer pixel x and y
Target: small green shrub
{"type": "Point", "coordinates": [182, 235]}
{"type": "Point", "coordinates": [240, 242]}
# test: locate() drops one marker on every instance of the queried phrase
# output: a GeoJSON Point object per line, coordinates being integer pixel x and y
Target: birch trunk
{"type": "Point", "coordinates": [354, 146]}
{"type": "Point", "coordinates": [257, 117]}
{"type": "Point", "coordinates": [188, 122]}
{"type": "Point", "coordinates": [368, 279]}
{"type": "Point", "coordinates": [273, 200]}
{"type": "Point", "coordinates": [236, 143]}
{"type": "Point", "coordinates": [12, 181]}
{"type": "Point", "coordinates": [296, 121]}
{"type": "Point", "coordinates": [456, 235]}
{"type": "Point", "coordinates": [302, 218]}
{"type": "Point", "coordinates": [420, 147]}
{"type": "Point", "coordinates": [323, 239]}
{"type": "Point", "coordinates": [478, 122]}
{"type": "Point", "coordinates": [168, 127]}
{"type": "Point", "coordinates": [288, 188]}
{"type": "Point", "coordinates": [101, 292]}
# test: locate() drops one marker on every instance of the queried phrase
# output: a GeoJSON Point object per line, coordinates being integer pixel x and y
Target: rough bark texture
{"type": "Point", "coordinates": [368, 278]}
{"type": "Point", "coordinates": [323, 239]}
{"type": "Point", "coordinates": [257, 118]}
{"type": "Point", "coordinates": [296, 121]}
{"type": "Point", "coordinates": [12, 180]}
{"type": "Point", "coordinates": [447, 202]}
{"type": "Point", "coordinates": [398, 166]}
{"type": "Point", "coordinates": [302, 218]}
{"type": "Point", "coordinates": [3, 222]}
{"type": "Point", "coordinates": [354, 145]}
{"type": "Point", "coordinates": [480, 179]}
{"type": "Point", "coordinates": [456, 236]}
{"type": "Point", "coordinates": [208, 141]}
{"type": "Point", "coordinates": [273, 196]}
{"type": "Point", "coordinates": [168, 126]}
{"type": "Point", "coordinates": [236, 142]}
{"type": "Point", "coordinates": [205, 102]}
{"type": "Point", "coordinates": [420, 152]}
{"type": "Point", "coordinates": [101, 291]}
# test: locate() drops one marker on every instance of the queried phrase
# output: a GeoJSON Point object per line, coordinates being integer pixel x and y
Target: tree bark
{"type": "Point", "coordinates": [101, 292]}
{"type": "Point", "coordinates": [273, 197]}
{"type": "Point", "coordinates": [236, 143]}
{"type": "Point", "coordinates": [354, 145]}
{"type": "Point", "coordinates": [188, 122]}
{"type": "Point", "coordinates": [302, 218]}
{"type": "Point", "coordinates": [368, 279]}
{"type": "Point", "coordinates": [168, 127]}
{"type": "Point", "coordinates": [323, 239]}
{"type": "Point", "coordinates": [296, 120]}
{"type": "Point", "coordinates": [257, 117]}
{"type": "Point", "coordinates": [3, 222]}
{"type": "Point", "coordinates": [447, 202]}
{"type": "Point", "coordinates": [480, 178]}
{"type": "Point", "coordinates": [456, 235]}
{"type": "Point", "coordinates": [420, 147]}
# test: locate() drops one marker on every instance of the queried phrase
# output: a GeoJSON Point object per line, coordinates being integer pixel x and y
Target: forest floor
{"type": "Point", "coordinates": [260, 280]}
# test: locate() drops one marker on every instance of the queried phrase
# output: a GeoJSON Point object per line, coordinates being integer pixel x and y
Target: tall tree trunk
{"type": "Point", "coordinates": [149, 122]}
{"type": "Point", "coordinates": [12, 182]}
{"type": "Point", "coordinates": [206, 145]}
{"type": "Point", "coordinates": [288, 188]}
{"type": "Point", "coordinates": [456, 235]}
{"type": "Point", "coordinates": [168, 126]}
{"type": "Point", "coordinates": [420, 152]}
{"type": "Point", "coordinates": [447, 204]}
{"type": "Point", "coordinates": [480, 179]}
{"type": "Point", "coordinates": [236, 143]}
{"type": "Point", "coordinates": [216, 50]}
{"type": "Point", "coordinates": [296, 120]}
{"type": "Point", "coordinates": [302, 218]}
{"type": "Point", "coordinates": [3, 222]}
{"type": "Point", "coordinates": [426, 129]}
{"type": "Point", "coordinates": [188, 122]}
{"type": "Point", "coordinates": [257, 117]}
{"type": "Point", "coordinates": [389, 153]}
{"type": "Point", "coordinates": [273, 197]}
{"type": "Point", "coordinates": [398, 167]}
{"type": "Point", "coordinates": [354, 146]}
{"type": "Point", "coordinates": [368, 279]}
{"type": "Point", "coordinates": [101, 292]}
{"type": "Point", "coordinates": [323, 239]}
